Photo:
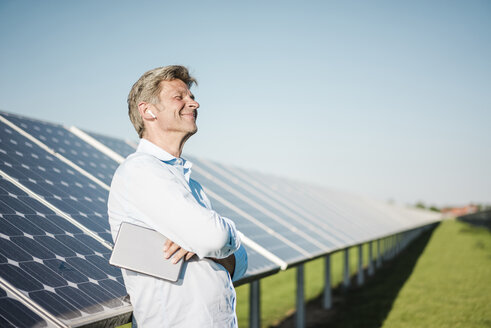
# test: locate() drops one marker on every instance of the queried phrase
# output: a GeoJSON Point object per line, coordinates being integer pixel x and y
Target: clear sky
{"type": "Point", "coordinates": [385, 98]}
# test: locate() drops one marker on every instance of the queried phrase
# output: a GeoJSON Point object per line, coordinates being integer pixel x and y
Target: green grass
{"type": "Point", "coordinates": [451, 282]}
{"type": "Point", "coordinates": [128, 325]}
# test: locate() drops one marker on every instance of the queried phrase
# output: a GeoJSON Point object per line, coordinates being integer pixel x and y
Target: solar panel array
{"type": "Point", "coordinates": [55, 238]}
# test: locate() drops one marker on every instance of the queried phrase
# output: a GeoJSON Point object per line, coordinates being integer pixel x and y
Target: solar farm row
{"type": "Point", "coordinates": [55, 236]}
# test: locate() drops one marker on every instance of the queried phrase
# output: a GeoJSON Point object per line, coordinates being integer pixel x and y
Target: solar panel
{"type": "Point", "coordinates": [58, 266]}
{"type": "Point", "coordinates": [306, 228]}
{"type": "Point", "coordinates": [54, 181]}
{"type": "Point", "coordinates": [290, 200]}
{"type": "Point", "coordinates": [288, 195]}
{"type": "Point", "coordinates": [350, 207]}
{"type": "Point", "coordinates": [376, 219]}
{"type": "Point", "coordinates": [14, 313]}
{"type": "Point", "coordinates": [266, 232]}
{"type": "Point", "coordinates": [358, 220]}
{"type": "Point", "coordinates": [61, 140]}
{"type": "Point", "coordinates": [119, 146]}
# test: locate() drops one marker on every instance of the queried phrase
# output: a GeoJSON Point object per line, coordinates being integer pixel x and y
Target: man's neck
{"type": "Point", "coordinates": [170, 143]}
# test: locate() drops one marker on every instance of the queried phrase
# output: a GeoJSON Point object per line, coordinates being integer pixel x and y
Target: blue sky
{"type": "Point", "coordinates": [385, 98]}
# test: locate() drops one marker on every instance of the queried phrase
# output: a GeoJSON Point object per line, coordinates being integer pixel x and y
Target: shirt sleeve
{"type": "Point", "coordinates": [240, 263]}
{"type": "Point", "coordinates": [155, 196]}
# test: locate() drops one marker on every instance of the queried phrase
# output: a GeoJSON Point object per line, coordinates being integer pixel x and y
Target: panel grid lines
{"type": "Point", "coordinates": [59, 267]}
{"type": "Point", "coordinates": [53, 152]}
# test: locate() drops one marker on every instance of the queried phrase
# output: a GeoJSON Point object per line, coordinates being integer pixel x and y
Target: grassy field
{"type": "Point", "coordinates": [451, 283]}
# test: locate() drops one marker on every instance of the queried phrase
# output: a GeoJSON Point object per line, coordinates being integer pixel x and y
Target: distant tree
{"type": "Point", "coordinates": [420, 205]}
{"type": "Point", "coordinates": [434, 209]}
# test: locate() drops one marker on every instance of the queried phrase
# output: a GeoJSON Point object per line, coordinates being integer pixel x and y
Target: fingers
{"type": "Point", "coordinates": [189, 255]}
{"type": "Point", "coordinates": [167, 244]}
{"type": "Point", "coordinates": [179, 255]}
{"type": "Point", "coordinates": [172, 248]}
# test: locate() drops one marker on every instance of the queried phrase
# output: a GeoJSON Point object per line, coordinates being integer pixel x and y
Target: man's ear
{"type": "Point", "coordinates": [145, 112]}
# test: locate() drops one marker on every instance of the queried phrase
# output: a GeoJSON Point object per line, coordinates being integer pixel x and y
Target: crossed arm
{"type": "Point", "coordinates": [171, 248]}
{"type": "Point", "coordinates": [158, 198]}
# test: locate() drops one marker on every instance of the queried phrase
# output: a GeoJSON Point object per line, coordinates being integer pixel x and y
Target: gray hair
{"type": "Point", "coordinates": [148, 88]}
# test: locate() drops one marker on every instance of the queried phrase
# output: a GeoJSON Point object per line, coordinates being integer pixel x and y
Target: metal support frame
{"type": "Point", "coordinates": [346, 280]}
{"type": "Point", "coordinates": [398, 243]}
{"type": "Point", "coordinates": [390, 248]}
{"type": "Point", "coordinates": [379, 253]}
{"type": "Point", "coordinates": [394, 246]}
{"type": "Point", "coordinates": [360, 275]}
{"type": "Point", "coordinates": [255, 305]}
{"type": "Point", "coordinates": [382, 249]}
{"type": "Point", "coordinates": [300, 316]}
{"type": "Point", "coordinates": [371, 270]}
{"type": "Point", "coordinates": [386, 249]}
{"type": "Point", "coordinates": [402, 240]}
{"type": "Point", "coordinates": [327, 302]}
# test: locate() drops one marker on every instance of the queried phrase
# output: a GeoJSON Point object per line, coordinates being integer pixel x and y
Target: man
{"type": "Point", "coordinates": [152, 188]}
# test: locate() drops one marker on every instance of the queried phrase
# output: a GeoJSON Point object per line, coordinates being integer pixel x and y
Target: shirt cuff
{"type": "Point", "coordinates": [240, 263]}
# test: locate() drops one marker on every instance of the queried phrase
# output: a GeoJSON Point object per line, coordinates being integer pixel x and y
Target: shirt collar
{"type": "Point", "coordinates": [148, 147]}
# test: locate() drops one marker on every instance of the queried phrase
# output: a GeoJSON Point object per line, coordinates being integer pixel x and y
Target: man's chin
{"type": "Point", "coordinates": [192, 132]}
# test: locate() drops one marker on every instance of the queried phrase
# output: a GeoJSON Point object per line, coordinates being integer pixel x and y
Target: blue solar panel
{"type": "Point", "coordinates": [117, 145]}
{"type": "Point", "coordinates": [67, 144]}
{"type": "Point", "coordinates": [54, 181]}
{"type": "Point", "coordinates": [59, 267]}
{"type": "Point", "coordinates": [311, 236]}
{"type": "Point", "coordinates": [324, 214]}
{"type": "Point", "coordinates": [321, 225]}
{"type": "Point", "coordinates": [268, 236]}
{"type": "Point", "coordinates": [14, 313]}
{"type": "Point", "coordinates": [363, 226]}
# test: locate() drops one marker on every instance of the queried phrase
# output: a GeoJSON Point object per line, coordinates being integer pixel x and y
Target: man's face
{"type": "Point", "coordinates": [177, 110]}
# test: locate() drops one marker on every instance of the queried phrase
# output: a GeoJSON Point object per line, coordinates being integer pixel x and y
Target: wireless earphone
{"type": "Point", "coordinates": [151, 114]}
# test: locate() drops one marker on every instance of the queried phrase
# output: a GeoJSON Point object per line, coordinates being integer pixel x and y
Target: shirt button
{"type": "Point", "coordinates": [179, 161]}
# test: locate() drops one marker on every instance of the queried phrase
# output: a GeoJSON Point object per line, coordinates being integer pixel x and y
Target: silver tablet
{"type": "Point", "coordinates": [142, 250]}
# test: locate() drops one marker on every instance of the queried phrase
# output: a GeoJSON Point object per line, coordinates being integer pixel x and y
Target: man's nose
{"type": "Point", "coordinates": [193, 103]}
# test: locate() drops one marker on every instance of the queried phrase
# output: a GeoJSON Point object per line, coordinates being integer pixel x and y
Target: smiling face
{"type": "Point", "coordinates": [176, 109]}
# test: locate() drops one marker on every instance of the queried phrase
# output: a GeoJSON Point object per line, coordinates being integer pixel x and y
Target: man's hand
{"type": "Point", "coordinates": [228, 263]}
{"type": "Point", "coordinates": [170, 248]}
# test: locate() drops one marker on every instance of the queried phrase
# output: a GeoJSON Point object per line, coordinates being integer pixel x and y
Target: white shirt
{"type": "Point", "coordinates": [153, 189]}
